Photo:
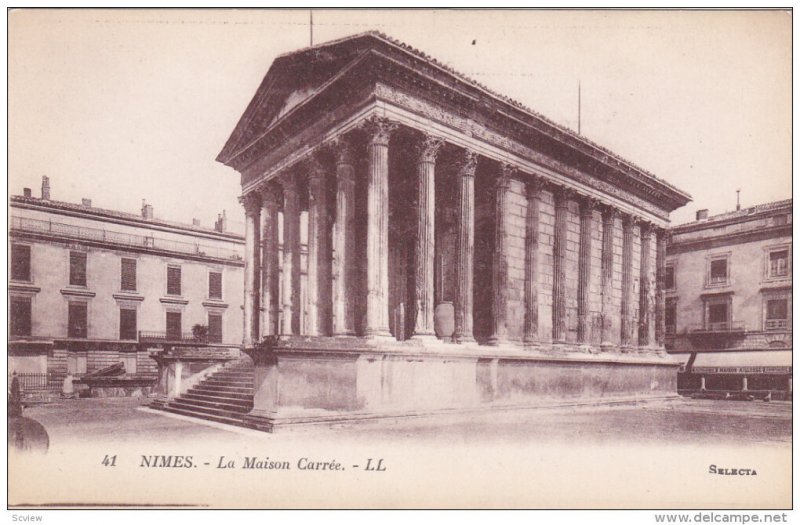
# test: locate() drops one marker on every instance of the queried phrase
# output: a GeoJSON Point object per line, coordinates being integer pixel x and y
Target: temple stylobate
{"type": "Point", "coordinates": [415, 243]}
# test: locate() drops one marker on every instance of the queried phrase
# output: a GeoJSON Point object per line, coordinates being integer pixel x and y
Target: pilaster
{"type": "Point", "coordinates": [500, 262]}
{"type": "Point", "coordinates": [464, 247]}
{"type": "Point", "coordinates": [531, 326]}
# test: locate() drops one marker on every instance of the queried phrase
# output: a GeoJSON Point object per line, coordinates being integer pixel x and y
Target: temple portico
{"type": "Point", "coordinates": [461, 251]}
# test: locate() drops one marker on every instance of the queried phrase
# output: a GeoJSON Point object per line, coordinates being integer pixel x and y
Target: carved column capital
{"type": "Point", "coordinates": [428, 148]}
{"type": "Point", "coordinates": [289, 184]}
{"type": "Point", "coordinates": [507, 171]}
{"type": "Point", "coordinates": [646, 229]}
{"type": "Point", "coordinates": [270, 193]}
{"type": "Point", "coordinates": [342, 148]}
{"type": "Point", "coordinates": [534, 186]}
{"type": "Point", "coordinates": [314, 166]}
{"type": "Point", "coordinates": [467, 163]}
{"type": "Point", "coordinates": [588, 204]}
{"type": "Point", "coordinates": [379, 130]}
{"type": "Point", "coordinates": [610, 212]}
{"type": "Point", "coordinates": [562, 195]}
{"type": "Point", "coordinates": [251, 202]}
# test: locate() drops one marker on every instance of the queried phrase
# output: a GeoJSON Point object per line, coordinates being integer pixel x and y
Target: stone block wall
{"type": "Point", "coordinates": [571, 269]}
{"type": "Point", "coordinates": [517, 206]}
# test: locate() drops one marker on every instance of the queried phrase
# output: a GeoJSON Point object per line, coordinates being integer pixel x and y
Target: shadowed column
{"type": "Point", "coordinates": [561, 197]}
{"type": "Point", "coordinates": [534, 191]}
{"type": "Point", "coordinates": [626, 330]}
{"type": "Point", "coordinates": [607, 269]}
{"type": "Point", "coordinates": [379, 131]}
{"type": "Point", "coordinates": [587, 206]}
{"type": "Point", "coordinates": [500, 262]}
{"type": "Point", "coordinates": [464, 247]}
{"type": "Point", "coordinates": [344, 239]}
{"type": "Point", "coordinates": [270, 262]}
{"type": "Point", "coordinates": [252, 206]}
{"type": "Point", "coordinates": [427, 150]}
{"type": "Point", "coordinates": [291, 258]}
{"type": "Point", "coordinates": [318, 272]}
{"type": "Point", "coordinates": [645, 288]}
{"type": "Point", "coordinates": [661, 272]}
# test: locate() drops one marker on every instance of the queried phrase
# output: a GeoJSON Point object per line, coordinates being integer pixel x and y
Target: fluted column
{"type": "Point", "coordinates": [626, 330]}
{"type": "Point", "coordinates": [344, 240]}
{"type": "Point", "coordinates": [464, 247]}
{"type": "Point", "coordinates": [561, 197]}
{"type": "Point", "coordinates": [646, 302]}
{"type": "Point", "coordinates": [661, 272]}
{"type": "Point", "coordinates": [425, 249]}
{"type": "Point", "coordinates": [318, 272]}
{"type": "Point", "coordinates": [500, 266]}
{"type": "Point", "coordinates": [291, 257]}
{"type": "Point", "coordinates": [534, 190]}
{"type": "Point", "coordinates": [270, 262]}
{"type": "Point", "coordinates": [607, 271]}
{"type": "Point", "coordinates": [379, 130]}
{"type": "Point", "coordinates": [252, 206]}
{"type": "Point", "coordinates": [587, 206]}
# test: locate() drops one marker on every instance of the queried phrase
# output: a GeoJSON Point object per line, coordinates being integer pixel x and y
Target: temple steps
{"type": "Point", "coordinates": [225, 396]}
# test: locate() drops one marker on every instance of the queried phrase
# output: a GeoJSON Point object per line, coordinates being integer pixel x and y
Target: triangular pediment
{"type": "Point", "coordinates": [292, 79]}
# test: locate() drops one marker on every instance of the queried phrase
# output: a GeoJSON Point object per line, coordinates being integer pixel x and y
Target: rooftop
{"type": "Point", "coordinates": [758, 209]}
{"type": "Point", "coordinates": [115, 214]}
{"type": "Point", "coordinates": [463, 78]}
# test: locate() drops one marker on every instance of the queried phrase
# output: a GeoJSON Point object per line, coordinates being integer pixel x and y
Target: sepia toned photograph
{"type": "Point", "coordinates": [400, 259]}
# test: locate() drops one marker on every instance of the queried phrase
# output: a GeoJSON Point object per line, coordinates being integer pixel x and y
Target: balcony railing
{"type": "Point", "coordinates": [168, 337]}
{"type": "Point", "coordinates": [776, 324]}
{"type": "Point", "coordinates": [722, 327]}
{"type": "Point", "coordinates": [123, 239]}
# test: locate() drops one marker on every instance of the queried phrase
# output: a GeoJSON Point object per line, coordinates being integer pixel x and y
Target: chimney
{"type": "Point", "coordinates": [702, 215]}
{"type": "Point", "coordinates": [26, 192]}
{"type": "Point", "coordinates": [86, 202]}
{"type": "Point", "coordinates": [222, 222]}
{"type": "Point", "coordinates": [45, 187]}
{"type": "Point", "coordinates": [147, 210]}
{"type": "Point", "coordinates": [195, 222]}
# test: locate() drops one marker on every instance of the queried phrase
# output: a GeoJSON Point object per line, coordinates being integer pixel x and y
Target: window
{"type": "Point", "coordinates": [128, 275]}
{"type": "Point", "coordinates": [128, 360]}
{"type": "Point", "coordinates": [127, 324]}
{"type": "Point", "coordinates": [20, 262]}
{"type": "Point", "coordinates": [214, 328]}
{"type": "Point", "coordinates": [669, 277]}
{"type": "Point", "coordinates": [20, 316]}
{"type": "Point", "coordinates": [778, 263]}
{"type": "Point", "coordinates": [173, 280]}
{"type": "Point", "coordinates": [215, 285]}
{"type": "Point", "coordinates": [718, 272]}
{"type": "Point", "coordinates": [173, 326]}
{"type": "Point", "coordinates": [77, 268]}
{"type": "Point", "coordinates": [670, 317]}
{"type": "Point", "coordinates": [76, 322]}
{"type": "Point", "coordinates": [777, 314]}
{"type": "Point", "coordinates": [717, 316]}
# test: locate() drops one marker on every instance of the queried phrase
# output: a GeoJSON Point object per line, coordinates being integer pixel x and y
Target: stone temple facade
{"type": "Point", "coordinates": [463, 251]}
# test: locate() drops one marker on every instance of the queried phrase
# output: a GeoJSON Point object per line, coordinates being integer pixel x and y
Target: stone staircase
{"type": "Point", "coordinates": [225, 396]}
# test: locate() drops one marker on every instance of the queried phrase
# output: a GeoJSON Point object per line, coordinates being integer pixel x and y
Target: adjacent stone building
{"type": "Point", "coordinates": [90, 288]}
{"type": "Point", "coordinates": [729, 301]}
{"type": "Point", "coordinates": [463, 250]}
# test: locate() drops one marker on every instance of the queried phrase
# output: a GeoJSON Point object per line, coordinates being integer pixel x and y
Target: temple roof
{"type": "Point", "coordinates": [296, 76]}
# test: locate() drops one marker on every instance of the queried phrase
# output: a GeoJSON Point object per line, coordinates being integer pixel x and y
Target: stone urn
{"type": "Point", "coordinates": [444, 320]}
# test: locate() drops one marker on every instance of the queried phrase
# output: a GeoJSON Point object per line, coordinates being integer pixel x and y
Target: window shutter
{"type": "Point", "coordinates": [174, 280]}
{"type": "Point", "coordinates": [20, 316]}
{"type": "Point", "coordinates": [20, 262]}
{"type": "Point", "coordinates": [77, 321]}
{"type": "Point", "coordinates": [214, 328]}
{"type": "Point", "coordinates": [77, 268]}
{"type": "Point", "coordinates": [128, 277]}
{"type": "Point", "coordinates": [215, 285]}
{"type": "Point", "coordinates": [127, 324]}
{"type": "Point", "coordinates": [173, 325]}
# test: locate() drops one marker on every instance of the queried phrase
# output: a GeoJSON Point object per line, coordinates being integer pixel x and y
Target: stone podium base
{"type": "Point", "coordinates": [301, 380]}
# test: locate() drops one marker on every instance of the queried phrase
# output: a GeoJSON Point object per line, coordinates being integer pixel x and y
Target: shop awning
{"type": "Point", "coordinates": [759, 362]}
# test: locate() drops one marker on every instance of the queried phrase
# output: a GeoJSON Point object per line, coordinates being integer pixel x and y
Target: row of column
{"type": "Point", "coordinates": [337, 306]}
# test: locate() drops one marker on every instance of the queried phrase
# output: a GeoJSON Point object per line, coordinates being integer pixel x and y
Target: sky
{"type": "Point", "coordinates": [120, 106]}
